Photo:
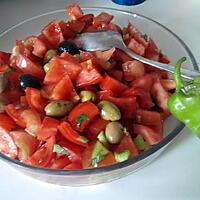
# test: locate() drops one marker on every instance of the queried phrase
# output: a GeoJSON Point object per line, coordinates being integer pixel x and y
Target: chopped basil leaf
{"type": "Point", "coordinates": [58, 149]}
{"type": "Point", "coordinates": [81, 118]}
{"type": "Point", "coordinates": [96, 160]}
{"type": "Point", "coordinates": [122, 156]}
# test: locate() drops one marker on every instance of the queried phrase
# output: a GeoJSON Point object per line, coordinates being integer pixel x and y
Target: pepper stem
{"type": "Point", "coordinates": [177, 74]}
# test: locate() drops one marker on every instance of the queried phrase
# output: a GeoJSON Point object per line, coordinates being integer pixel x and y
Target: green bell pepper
{"type": "Point", "coordinates": [184, 104]}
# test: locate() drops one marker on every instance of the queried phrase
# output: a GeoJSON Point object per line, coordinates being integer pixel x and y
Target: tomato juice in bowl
{"type": "Point", "coordinates": [77, 176]}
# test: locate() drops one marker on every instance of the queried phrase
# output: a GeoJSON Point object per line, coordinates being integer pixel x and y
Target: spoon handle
{"type": "Point", "coordinates": [186, 73]}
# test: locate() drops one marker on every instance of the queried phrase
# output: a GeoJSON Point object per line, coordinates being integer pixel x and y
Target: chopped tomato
{"type": "Point", "coordinates": [71, 135]}
{"type": "Point", "coordinates": [15, 113]}
{"type": "Point", "coordinates": [61, 66]}
{"type": "Point", "coordinates": [127, 144]}
{"type": "Point", "coordinates": [95, 127]}
{"type": "Point", "coordinates": [48, 128]}
{"type": "Point", "coordinates": [35, 99]}
{"type": "Point", "coordinates": [103, 94]}
{"type": "Point", "coordinates": [74, 11]}
{"type": "Point", "coordinates": [160, 95]}
{"type": "Point", "coordinates": [26, 143]}
{"type": "Point", "coordinates": [136, 47]}
{"type": "Point", "coordinates": [147, 133]}
{"type": "Point", "coordinates": [7, 145]}
{"type": "Point", "coordinates": [4, 60]}
{"type": "Point", "coordinates": [45, 41]}
{"type": "Point", "coordinates": [42, 157]}
{"type": "Point", "coordinates": [148, 117]}
{"type": "Point", "coordinates": [36, 46]}
{"type": "Point", "coordinates": [53, 33]}
{"type": "Point", "coordinates": [88, 75]}
{"type": "Point", "coordinates": [60, 162]}
{"type": "Point", "coordinates": [66, 31]}
{"type": "Point", "coordinates": [152, 52]}
{"type": "Point", "coordinates": [164, 59]}
{"type": "Point", "coordinates": [76, 26]}
{"type": "Point", "coordinates": [64, 89]}
{"type": "Point", "coordinates": [168, 84]}
{"type": "Point", "coordinates": [32, 120]}
{"type": "Point", "coordinates": [112, 84]}
{"type": "Point", "coordinates": [29, 67]}
{"type": "Point", "coordinates": [87, 18]}
{"type": "Point", "coordinates": [109, 159]}
{"type": "Point", "coordinates": [133, 69]}
{"type": "Point", "coordinates": [82, 115]}
{"type": "Point", "coordinates": [103, 17]}
{"type": "Point", "coordinates": [120, 55]}
{"type": "Point", "coordinates": [73, 166]}
{"type": "Point", "coordinates": [6, 122]}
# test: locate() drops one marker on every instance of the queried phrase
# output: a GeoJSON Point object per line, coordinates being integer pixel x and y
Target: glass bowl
{"type": "Point", "coordinates": [170, 44]}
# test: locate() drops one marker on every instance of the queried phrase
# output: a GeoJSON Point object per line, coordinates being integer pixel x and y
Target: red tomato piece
{"type": "Point", "coordinates": [64, 89]}
{"type": "Point", "coordinates": [103, 94]}
{"type": "Point", "coordinates": [60, 163]}
{"type": "Point", "coordinates": [95, 127]}
{"type": "Point", "coordinates": [32, 120]}
{"type": "Point", "coordinates": [26, 143]}
{"type": "Point", "coordinates": [164, 59]}
{"type": "Point", "coordinates": [36, 46]}
{"type": "Point", "coordinates": [53, 33]}
{"type": "Point", "coordinates": [75, 151]}
{"type": "Point", "coordinates": [160, 95]}
{"type": "Point", "coordinates": [61, 66]}
{"type": "Point", "coordinates": [66, 31]}
{"type": "Point", "coordinates": [112, 84]}
{"type": "Point", "coordinates": [74, 11]}
{"type": "Point", "coordinates": [133, 69]}
{"type": "Point", "coordinates": [73, 166]}
{"type": "Point", "coordinates": [15, 114]}
{"type": "Point", "coordinates": [87, 18]}
{"type": "Point", "coordinates": [168, 84]}
{"type": "Point", "coordinates": [103, 17]}
{"type": "Point", "coordinates": [29, 67]}
{"type": "Point", "coordinates": [148, 117]}
{"type": "Point", "coordinates": [76, 26]}
{"type": "Point", "coordinates": [127, 144]}
{"type": "Point", "coordinates": [109, 159]}
{"type": "Point", "coordinates": [35, 99]}
{"type": "Point", "coordinates": [127, 105]}
{"type": "Point", "coordinates": [48, 128]}
{"type": "Point", "coordinates": [136, 47]}
{"type": "Point", "coordinates": [71, 135]}
{"type": "Point", "coordinates": [6, 122]}
{"type": "Point", "coordinates": [4, 60]}
{"type": "Point", "coordinates": [116, 74]}
{"type": "Point", "coordinates": [120, 55]}
{"type": "Point", "coordinates": [152, 52]}
{"type": "Point", "coordinates": [147, 133]}
{"type": "Point", "coordinates": [7, 145]}
{"type": "Point", "coordinates": [45, 41]}
{"type": "Point", "coordinates": [88, 75]}
{"type": "Point", "coordinates": [42, 157]}
{"type": "Point", "coordinates": [86, 109]}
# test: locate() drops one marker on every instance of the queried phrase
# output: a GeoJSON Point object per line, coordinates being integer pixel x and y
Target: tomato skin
{"type": "Point", "coordinates": [147, 133]}
{"type": "Point", "coordinates": [64, 89]}
{"type": "Point", "coordinates": [26, 143]}
{"type": "Point", "coordinates": [108, 160]}
{"type": "Point", "coordinates": [152, 52]}
{"type": "Point", "coordinates": [109, 83]}
{"type": "Point", "coordinates": [103, 17]}
{"type": "Point", "coordinates": [60, 163]}
{"type": "Point", "coordinates": [103, 94]}
{"type": "Point", "coordinates": [6, 122]}
{"type": "Point", "coordinates": [29, 67]}
{"type": "Point", "coordinates": [61, 66]}
{"type": "Point", "coordinates": [7, 145]}
{"type": "Point", "coordinates": [15, 114]}
{"type": "Point", "coordinates": [35, 100]}
{"type": "Point", "coordinates": [42, 157]}
{"type": "Point", "coordinates": [73, 166]}
{"type": "Point", "coordinates": [120, 55]}
{"type": "Point", "coordinates": [66, 31]}
{"type": "Point", "coordinates": [95, 127]}
{"type": "Point", "coordinates": [4, 60]}
{"type": "Point", "coordinates": [136, 47]}
{"type": "Point", "coordinates": [53, 33]}
{"type": "Point", "coordinates": [127, 144]}
{"type": "Point", "coordinates": [85, 108]}
{"type": "Point", "coordinates": [76, 26]}
{"type": "Point", "coordinates": [88, 75]}
{"type": "Point", "coordinates": [146, 117]}
{"type": "Point", "coordinates": [168, 84]}
{"type": "Point", "coordinates": [70, 134]}
{"type": "Point", "coordinates": [74, 11]}
{"type": "Point", "coordinates": [48, 128]}
{"type": "Point", "coordinates": [88, 19]}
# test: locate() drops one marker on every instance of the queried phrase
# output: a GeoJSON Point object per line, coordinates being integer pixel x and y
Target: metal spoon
{"type": "Point", "coordinates": [104, 40]}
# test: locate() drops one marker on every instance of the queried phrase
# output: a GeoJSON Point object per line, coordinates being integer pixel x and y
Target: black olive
{"type": "Point", "coordinates": [69, 47]}
{"type": "Point", "coordinates": [27, 80]}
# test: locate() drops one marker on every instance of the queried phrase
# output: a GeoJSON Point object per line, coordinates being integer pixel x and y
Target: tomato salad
{"type": "Point", "coordinates": [65, 108]}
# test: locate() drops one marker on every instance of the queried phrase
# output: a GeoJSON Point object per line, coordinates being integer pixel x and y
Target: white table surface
{"type": "Point", "coordinates": [175, 175]}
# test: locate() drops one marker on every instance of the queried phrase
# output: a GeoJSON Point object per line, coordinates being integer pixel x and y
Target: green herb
{"type": "Point", "coordinates": [122, 156]}
{"type": "Point", "coordinates": [58, 149]}
{"type": "Point", "coordinates": [102, 138]}
{"type": "Point", "coordinates": [81, 118]}
{"type": "Point", "coordinates": [140, 143]}
{"type": "Point", "coordinates": [96, 160]}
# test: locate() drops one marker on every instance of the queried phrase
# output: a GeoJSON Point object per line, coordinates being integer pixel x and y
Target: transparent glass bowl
{"type": "Point", "coordinates": [170, 44]}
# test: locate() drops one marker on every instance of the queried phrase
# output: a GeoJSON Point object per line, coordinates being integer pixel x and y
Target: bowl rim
{"type": "Point", "coordinates": [116, 166]}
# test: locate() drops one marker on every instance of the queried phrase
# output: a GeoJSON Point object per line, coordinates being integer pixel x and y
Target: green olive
{"type": "Point", "coordinates": [109, 111]}
{"type": "Point", "coordinates": [58, 108]}
{"type": "Point", "coordinates": [46, 67]}
{"type": "Point", "coordinates": [49, 55]}
{"type": "Point", "coordinates": [3, 82]}
{"type": "Point", "coordinates": [87, 95]}
{"type": "Point", "coordinates": [114, 132]}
